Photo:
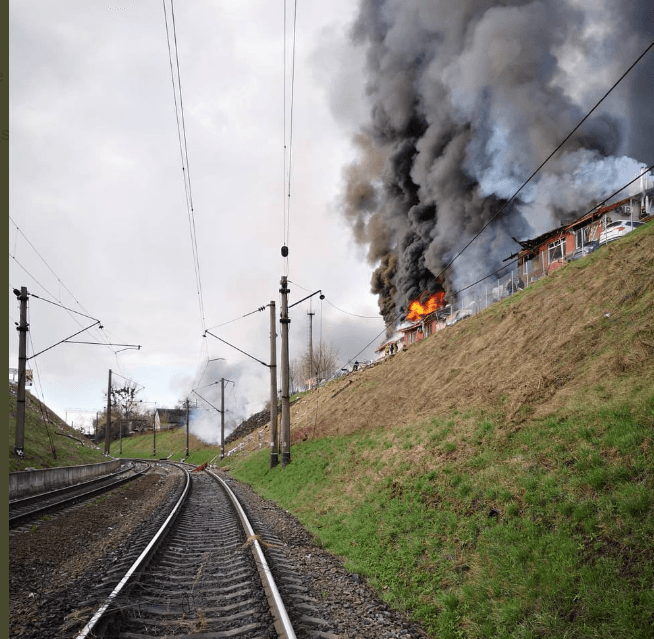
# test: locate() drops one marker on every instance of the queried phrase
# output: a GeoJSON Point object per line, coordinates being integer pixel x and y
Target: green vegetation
{"type": "Point", "coordinates": [70, 452]}
{"type": "Point", "coordinates": [167, 442]}
{"type": "Point", "coordinates": [485, 530]}
{"type": "Point", "coordinates": [496, 479]}
{"type": "Point", "coordinates": [38, 447]}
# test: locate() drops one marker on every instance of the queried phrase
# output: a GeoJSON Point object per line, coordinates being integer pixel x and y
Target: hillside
{"type": "Point", "coordinates": [497, 478]}
{"type": "Point", "coordinates": [43, 431]}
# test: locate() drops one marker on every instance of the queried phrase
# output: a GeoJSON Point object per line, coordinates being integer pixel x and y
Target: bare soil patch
{"type": "Point", "coordinates": [581, 332]}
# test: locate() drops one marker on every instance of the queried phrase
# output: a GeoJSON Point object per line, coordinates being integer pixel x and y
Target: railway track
{"type": "Point", "coordinates": [29, 508]}
{"type": "Point", "coordinates": [203, 573]}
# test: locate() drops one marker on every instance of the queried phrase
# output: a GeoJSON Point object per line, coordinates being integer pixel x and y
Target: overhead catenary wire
{"type": "Point", "coordinates": [114, 374]}
{"type": "Point", "coordinates": [183, 150]}
{"type": "Point", "coordinates": [376, 317]}
{"type": "Point", "coordinates": [545, 161]}
{"type": "Point", "coordinates": [237, 348]}
{"type": "Point", "coordinates": [42, 393]}
{"type": "Point", "coordinates": [61, 306]}
{"type": "Point", "coordinates": [103, 334]}
{"type": "Point", "coordinates": [288, 148]}
{"type": "Point", "coordinates": [497, 271]}
{"type": "Point", "coordinates": [257, 310]}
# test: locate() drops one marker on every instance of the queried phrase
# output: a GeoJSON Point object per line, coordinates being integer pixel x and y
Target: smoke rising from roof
{"type": "Point", "coordinates": [466, 100]}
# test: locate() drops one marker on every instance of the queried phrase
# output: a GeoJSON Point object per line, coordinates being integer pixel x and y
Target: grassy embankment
{"type": "Point", "coordinates": [496, 479]}
{"type": "Point", "coordinates": [167, 442]}
{"type": "Point", "coordinates": [39, 439]}
{"type": "Point", "coordinates": [72, 448]}
{"type": "Point", "coordinates": [515, 498]}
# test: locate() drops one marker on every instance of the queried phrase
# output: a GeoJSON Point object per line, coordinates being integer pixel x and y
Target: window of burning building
{"type": "Point", "coordinates": [555, 250]}
{"type": "Point", "coordinates": [582, 236]}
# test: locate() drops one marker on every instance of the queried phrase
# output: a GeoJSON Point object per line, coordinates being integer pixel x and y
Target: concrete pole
{"type": "Point", "coordinates": [310, 314]}
{"type": "Point", "coordinates": [154, 433]}
{"type": "Point", "coordinates": [187, 409]}
{"type": "Point", "coordinates": [107, 426]}
{"type": "Point", "coordinates": [274, 446]}
{"type": "Point", "coordinates": [19, 448]}
{"type": "Point", "coordinates": [286, 414]}
{"type": "Point", "coordinates": [222, 418]}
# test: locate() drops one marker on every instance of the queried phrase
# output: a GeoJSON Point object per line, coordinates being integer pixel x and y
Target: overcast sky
{"type": "Point", "coordinates": [97, 189]}
{"type": "Point", "coordinates": [459, 102]}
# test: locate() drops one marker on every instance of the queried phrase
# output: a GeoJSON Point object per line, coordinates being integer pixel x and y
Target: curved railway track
{"type": "Point", "coordinates": [203, 573]}
{"type": "Point", "coordinates": [28, 508]}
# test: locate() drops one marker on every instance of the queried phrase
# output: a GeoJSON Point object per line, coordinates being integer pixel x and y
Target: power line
{"type": "Point", "coordinates": [40, 386]}
{"type": "Point", "coordinates": [63, 340]}
{"type": "Point", "coordinates": [183, 151]}
{"type": "Point", "coordinates": [19, 230]}
{"type": "Point", "coordinates": [126, 379]}
{"type": "Point", "coordinates": [46, 263]}
{"type": "Point", "coordinates": [60, 306]}
{"type": "Point", "coordinates": [376, 317]}
{"type": "Point", "coordinates": [258, 310]}
{"type": "Point", "coordinates": [597, 206]}
{"type": "Point", "coordinates": [289, 151]}
{"type": "Point", "coordinates": [622, 188]}
{"type": "Point", "coordinates": [547, 159]}
{"type": "Point", "coordinates": [237, 348]}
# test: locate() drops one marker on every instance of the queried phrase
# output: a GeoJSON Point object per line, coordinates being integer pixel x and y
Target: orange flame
{"type": "Point", "coordinates": [417, 310]}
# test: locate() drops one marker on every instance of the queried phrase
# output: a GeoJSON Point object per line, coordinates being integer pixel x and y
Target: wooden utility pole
{"type": "Point", "coordinates": [222, 417]}
{"type": "Point", "coordinates": [274, 446]}
{"type": "Point", "coordinates": [19, 448]}
{"type": "Point", "coordinates": [107, 426]}
{"type": "Point", "coordinates": [187, 409]}
{"type": "Point", "coordinates": [286, 414]}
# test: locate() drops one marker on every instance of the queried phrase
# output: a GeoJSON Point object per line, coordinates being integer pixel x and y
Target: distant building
{"type": "Point", "coordinates": [548, 252]}
{"type": "Point", "coordinates": [167, 418]}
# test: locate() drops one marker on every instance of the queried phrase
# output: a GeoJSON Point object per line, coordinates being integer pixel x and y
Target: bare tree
{"type": "Point", "coordinates": [306, 370]}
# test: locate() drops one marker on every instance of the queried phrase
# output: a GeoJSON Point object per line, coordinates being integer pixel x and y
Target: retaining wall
{"type": "Point", "coordinates": [30, 482]}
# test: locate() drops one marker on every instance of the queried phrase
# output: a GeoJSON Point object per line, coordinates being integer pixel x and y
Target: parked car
{"type": "Point", "coordinates": [584, 250]}
{"type": "Point", "coordinates": [617, 229]}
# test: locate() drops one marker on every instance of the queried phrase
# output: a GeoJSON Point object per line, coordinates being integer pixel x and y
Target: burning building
{"type": "Point", "coordinates": [465, 101]}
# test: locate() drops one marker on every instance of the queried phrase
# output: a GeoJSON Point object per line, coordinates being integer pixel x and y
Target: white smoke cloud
{"type": "Point", "coordinates": [466, 100]}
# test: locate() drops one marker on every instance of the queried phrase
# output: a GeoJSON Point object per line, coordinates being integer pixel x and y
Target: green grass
{"type": "Point", "coordinates": [167, 442]}
{"type": "Point", "coordinates": [541, 533]}
{"type": "Point", "coordinates": [37, 443]}
{"type": "Point", "coordinates": [38, 452]}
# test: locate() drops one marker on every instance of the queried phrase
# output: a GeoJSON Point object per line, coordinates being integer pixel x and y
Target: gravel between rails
{"type": "Point", "coordinates": [62, 569]}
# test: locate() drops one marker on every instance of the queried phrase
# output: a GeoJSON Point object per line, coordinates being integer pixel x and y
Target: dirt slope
{"type": "Point", "coordinates": [583, 334]}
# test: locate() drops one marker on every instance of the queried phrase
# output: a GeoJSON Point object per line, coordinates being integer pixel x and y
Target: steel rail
{"type": "Point", "coordinates": [23, 501]}
{"type": "Point", "coordinates": [277, 606]}
{"type": "Point", "coordinates": [137, 564]}
{"type": "Point", "coordinates": [22, 517]}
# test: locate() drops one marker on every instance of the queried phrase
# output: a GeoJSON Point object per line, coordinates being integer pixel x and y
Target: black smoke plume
{"type": "Point", "coordinates": [466, 99]}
